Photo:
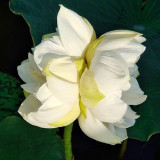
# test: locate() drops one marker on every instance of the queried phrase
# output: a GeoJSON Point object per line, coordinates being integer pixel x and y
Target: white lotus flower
{"type": "Point", "coordinates": [109, 85]}
{"type": "Point", "coordinates": [100, 98]}
{"type": "Point", "coordinates": [55, 101]}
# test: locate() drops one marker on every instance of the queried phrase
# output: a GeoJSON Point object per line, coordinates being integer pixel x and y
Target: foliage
{"type": "Point", "coordinates": [29, 142]}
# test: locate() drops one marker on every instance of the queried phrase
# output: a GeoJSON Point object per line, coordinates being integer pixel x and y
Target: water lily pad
{"type": "Point", "coordinates": [11, 95]}
{"type": "Point", "coordinates": [29, 142]}
{"type": "Point", "coordinates": [106, 15]}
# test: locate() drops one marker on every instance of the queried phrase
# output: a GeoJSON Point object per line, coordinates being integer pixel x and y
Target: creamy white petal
{"type": "Point", "coordinates": [95, 129]}
{"type": "Point", "coordinates": [121, 133]}
{"type": "Point", "coordinates": [92, 30]}
{"type": "Point", "coordinates": [69, 117]}
{"type": "Point", "coordinates": [110, 109]}
{"type": "Point", "coordinates": [33, 63]}
{"type": "Point", "coordinates": [50, 115]}
{"type": "Point", "coordinates": [110, 72]}
{"type": "Point", "coordinates": [41, 114]}
{"type": "Point", "coordinates": [43, 93]}
{"type": "Point", "coordinates": [116, 39]}
{"type": "Point", "coordinates": [125, 122]}
{"type": "Point", "coordinates": [110, 126]}
{"type": "Point", "coordinates": [122, 32]}
{"type": "Point", "coordinates": [47, 50]}
{"type": "Point", "coordinates": [31, 87]}
{"type": "Point", "coordinates": [34, 122]}
{"type": "Point", "coordinates": [55, 38]}
{"type": "Point", "coordinates": [28, 74]}
{"type": "Point", "coordinates": [134, 95]}
{"type": "Point", "coordinates": [30, 105]}
{"type": "Point", "coordinates": [51, 111]}
{"type": "Point", "coordinates": [50, 103]}
{"type": "Point", "coordinates": [63, 68]}
{"type": "Point", "coordinates": [140, 39]}
{"type": "Point", "coordinates": [126, 43]}
{"type": "Point", "coordinates": [130, 52]}
{"type": "Point", "coordinates": [131, 114]}
{"type": "Point", "coordinates": [65, 91]}
{"type": "Point", "coordinates": [133, 71]}
{"type": "Point", "coordinates": [89, 92]}
{"type": "Point", "coordinates": [128, 120]}
{"type": "Point", "coordinates": [74, 32]}
{"type": "Point", "coordinates": [24, 71]}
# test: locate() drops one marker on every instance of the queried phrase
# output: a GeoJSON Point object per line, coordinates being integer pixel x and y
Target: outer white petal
{"type": "Point", "coordinates": [31, 87]}
{"type": "Point", "coordinates": [28, 74]}
{"type": "Point", "coordinates": [122, 32]}
{"type": "Point", "coordinates": [74, 32]}
{"type": "Point", "coordinates": [125, 122]}
{"type": "Point", "coordinates": [31, 75]}
{"type": "Point", "coordinates": [131, 114]}
{"type": "Point", "coordinates": [133, 71]}
{"type": "Point", "coordinates": [95, 129]}
{"type": "Point", "coordinates": [110, 109]}
{"type": "Point", "coordinates": [50, 112]}
{"type": "Point", "coordinates": [130, 52]}
{"type": "Point", "coordinates": [34, 122]}
{"type": "Point", "coordinates": [121, 133]}
{"type": "Point", "coordinates": [110, 72]}
{"type": "Point", "coordinates": [50, 103]}
{"type": "Point", "coordinates": [69, 117]}
{"type": "Point", "coordinates": [63, 68]}
{"type": "Point", "coordinates": [128, 120]}
{"type": "Point", "coordinates": [134, 95]}
{"type": "Point", "coordinates": [31, 105]}
{"type": "Point", "coordinates": [65, 91]}
{"type": "Point", "coordinates": [43, 93]}
{"type": "Point", "coordinates": [33, 63]}
{"type": "Point", "coordinates": [126, 43]}
{"type": "Point", "coordinates": [116, 39]}
{"type": "Point", "coordinates": [24, 71]}
{"type": "Point", "coordinates": [47, 50]}
{"type": "Point", "coordinates": [42, 115]}
{"type": "Point", "coordinates": [140, 39]}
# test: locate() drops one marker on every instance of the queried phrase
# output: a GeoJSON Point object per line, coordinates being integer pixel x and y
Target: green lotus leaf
{"type": "Point", "coordinates": [29, 142]}
{"type": "Point", "coordinates": [11, 95]}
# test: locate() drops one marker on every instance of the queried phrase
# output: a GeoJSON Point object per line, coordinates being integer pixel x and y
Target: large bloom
{"type": "Point", "coordinates": [74, 75]}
